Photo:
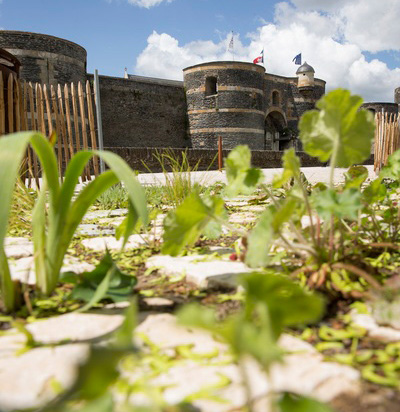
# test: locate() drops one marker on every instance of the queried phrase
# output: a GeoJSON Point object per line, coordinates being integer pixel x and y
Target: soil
{"type": "Point", "coordinates": [373, 398]}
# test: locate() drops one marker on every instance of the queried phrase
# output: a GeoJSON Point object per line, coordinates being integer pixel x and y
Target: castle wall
{"type": "Point", "coordinates": [45, 59]}
{"type": "Point", "coordinates": [304, 99]}
{"type": "Point", "coordinates": [378, 107]}
{"type": "Point", "coordinates": [235, 111]}
{"type": "Point", "coordinates": [397, 95]}
{"type": "Point", "coordinates": [206, 159]}
{"type": "Point", "coordinates": [142, 112]}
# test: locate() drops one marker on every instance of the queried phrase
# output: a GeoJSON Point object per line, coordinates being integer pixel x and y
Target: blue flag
{"type": "Point", "coordinates": [297, 59]}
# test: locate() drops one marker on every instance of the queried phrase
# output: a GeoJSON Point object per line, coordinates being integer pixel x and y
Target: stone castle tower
{"type": "Point", "coordinates": [244, 105]}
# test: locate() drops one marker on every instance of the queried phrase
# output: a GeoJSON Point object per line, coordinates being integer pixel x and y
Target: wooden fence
{"type": "Point", "coordinates": [387, 138]}
{"type": "Point", "coordinates": [65, 110]}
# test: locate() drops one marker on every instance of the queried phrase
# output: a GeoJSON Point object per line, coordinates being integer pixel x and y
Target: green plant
{"type": "Point", "coordinates": [106, 281]}
{"type": "Point", "coordinates": [56, 215]}
{"type": "Point", "coordinates": [21, 209]}
{"type": "Point", "coordinates": [324, 250]}
{"type": "Point", "coordinates": [116, 197]}
{"type": "Point", "coordinates": [272, 302]}
{"type": "Point", "coordinates": [177, 173]}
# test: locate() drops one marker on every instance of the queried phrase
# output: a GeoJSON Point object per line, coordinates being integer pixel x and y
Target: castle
{"type": "Point", "coordinates": [237, 101]}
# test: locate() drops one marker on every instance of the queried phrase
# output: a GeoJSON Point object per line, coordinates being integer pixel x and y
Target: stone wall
{"type": "Point", "coordinates": [207, 158]}
{"type": "Point", "coordinates": [236, 110]}
{"type": "Point", "coordinates": [377, 107]}
{"type": "Point", "coordinates": [304, 99]}
{"type": "Point", "coordinates": [45, 59]}
{"type": "Point", "coordinates": [143, 112]}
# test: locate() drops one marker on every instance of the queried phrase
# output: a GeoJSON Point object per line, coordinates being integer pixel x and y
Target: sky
{"type": "Point", "coordinates": [353, 44]}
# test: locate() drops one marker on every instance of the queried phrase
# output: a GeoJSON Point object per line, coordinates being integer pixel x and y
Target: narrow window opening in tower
{"type": "Point", "coordinates": [211, 86]}
{"type": "Point", "coordinates": [275, 98]}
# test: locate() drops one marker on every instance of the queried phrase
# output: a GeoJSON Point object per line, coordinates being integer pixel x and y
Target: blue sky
{"type": "Point", "coordinates": [350, 43]}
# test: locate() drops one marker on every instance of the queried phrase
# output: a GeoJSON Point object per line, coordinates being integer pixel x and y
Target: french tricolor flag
{"type": "Point", "coordinates": [260, 58]}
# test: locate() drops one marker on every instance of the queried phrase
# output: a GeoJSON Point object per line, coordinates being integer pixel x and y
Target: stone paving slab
{"type": "Point", "coordinates": [96, 214]}
{"type": "Point", "coordinates": [24, 270]}
{"type": "Point", "coordinates": [374, 330]}
{"type": "Point", "coordinates": [111, 243]}
{"type": "Point", "coordinates": [204, 274]}
{"type": "Point", "coordinates": [18, 247]}
{"type": "Point", "coordinates": [242, 217]}
{"type": "Point", "coordinates": [90, 229]}
{"type": "Point", "coordinates": [25, 379]}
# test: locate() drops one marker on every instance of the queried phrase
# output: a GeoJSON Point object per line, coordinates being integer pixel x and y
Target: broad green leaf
{"type": "Point", "coordinates": [345, 205]}
{"type": "Point", "coordinates": [184, 226]}
{"type": "Point", "coordinates": [106, 281]}
{"type": "Point", "coordinates": [242, 178]}
{"type": "Point", "coordinates": [104, 403]}
{"type": "Point", "coordinates": [355, 176]}
{"type": "Point", "coordinates": [392, 168]}
{"type": "Point", "coordinates": [291, 168]}
{"type": "Point", "coordinates": [287, 302]}
{"type": "Point", "coordinates": [12, 149]}
{"type": "Point", "coordinates": [97, 373]}
{"type": "Point", "coordinates": [253, 335]}
{"type": "Point", "coordinates": [214, 227]}
{"type": "Point", "coordinates": [290, 402]}
{"type": "Point", "coordinates": [266, 230]}
{"type": "Point", "coordinates": [200, 317]}
{"type": "Point", "coordinates": [338, 131]}
{"type": "Point", "coordinates": [260, 240]}
{"type": "Point", "coordinates": [245, 335]}
{"type": "Point", "coordinates": [130, 224]}
{"type": "Point", "coordinates": [124, 334]}
{"type": "Point", "coordinates": [374, 192]}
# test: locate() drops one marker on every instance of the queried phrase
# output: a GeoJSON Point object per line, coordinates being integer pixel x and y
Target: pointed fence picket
{"type": "Point", "coordinates": [387, 138]}
{"type": "Point", "coordinates": [67, 110]}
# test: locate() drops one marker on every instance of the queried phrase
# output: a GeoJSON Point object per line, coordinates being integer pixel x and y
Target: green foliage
{"type": "Point", "coordinates": [260, 240]}
{"type": "Point", "coordinates": [242, 178]}
{"type": "Point", "coordinates": [288, 303]}
{"type": "Point", "coordinates": [177, 173]}
{"type": "Point", "coordinates": [184, 226]}
{"type": "Point", "coordinates": [271, 303]}
{"type": "Point", "coordinates": [294, 403]}
{"type": "Point", "coordinates": [291, 169]}
{"type": "Point", "coordinates": [392, 168]}
{"type": "Point", "coordinates": [355, 177]}
{"type": "Point", "coordinates": [116, 197]}
{"type": "Point", "coordinates": [345, 205]}
{"type": "Point", "coordinates": [56, 215]}
{"type": "Point", "coordinates": [338, 131]}
{"type": "Point", "coordinates": [106, 281]}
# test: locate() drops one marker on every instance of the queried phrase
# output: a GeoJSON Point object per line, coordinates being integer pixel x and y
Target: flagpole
{"type": "Point", "coordinates": [233, 48]}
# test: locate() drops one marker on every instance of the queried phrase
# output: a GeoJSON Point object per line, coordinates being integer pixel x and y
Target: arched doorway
{"type": "Point", "coordinates": [274, 136]}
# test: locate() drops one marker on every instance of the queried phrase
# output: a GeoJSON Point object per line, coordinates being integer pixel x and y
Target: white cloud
{"type": "Point", "coordinates": [147, 4]}
{"type": "Point", "coordinates": [163, 57]}
{"type": "Point", "coordinates": [370, 24]}
{"type": "Point", "coordinates": [331, 44]}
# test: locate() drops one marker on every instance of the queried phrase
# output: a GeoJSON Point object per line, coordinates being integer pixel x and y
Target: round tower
{"type": "Point", "coordinates": [225, 99]}
{"type": "Point", "coordinates": [305, 76]}
{"type": "Point", "coordinates": [44, 58]}
{"type": "Point", "coordinates": [397, 95]}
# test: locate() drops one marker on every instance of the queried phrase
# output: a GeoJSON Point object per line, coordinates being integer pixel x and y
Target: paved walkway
{"type": "Point", "coordinates": [313, 174]}
{"type": "Point", "coordinates": [207, 178]}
